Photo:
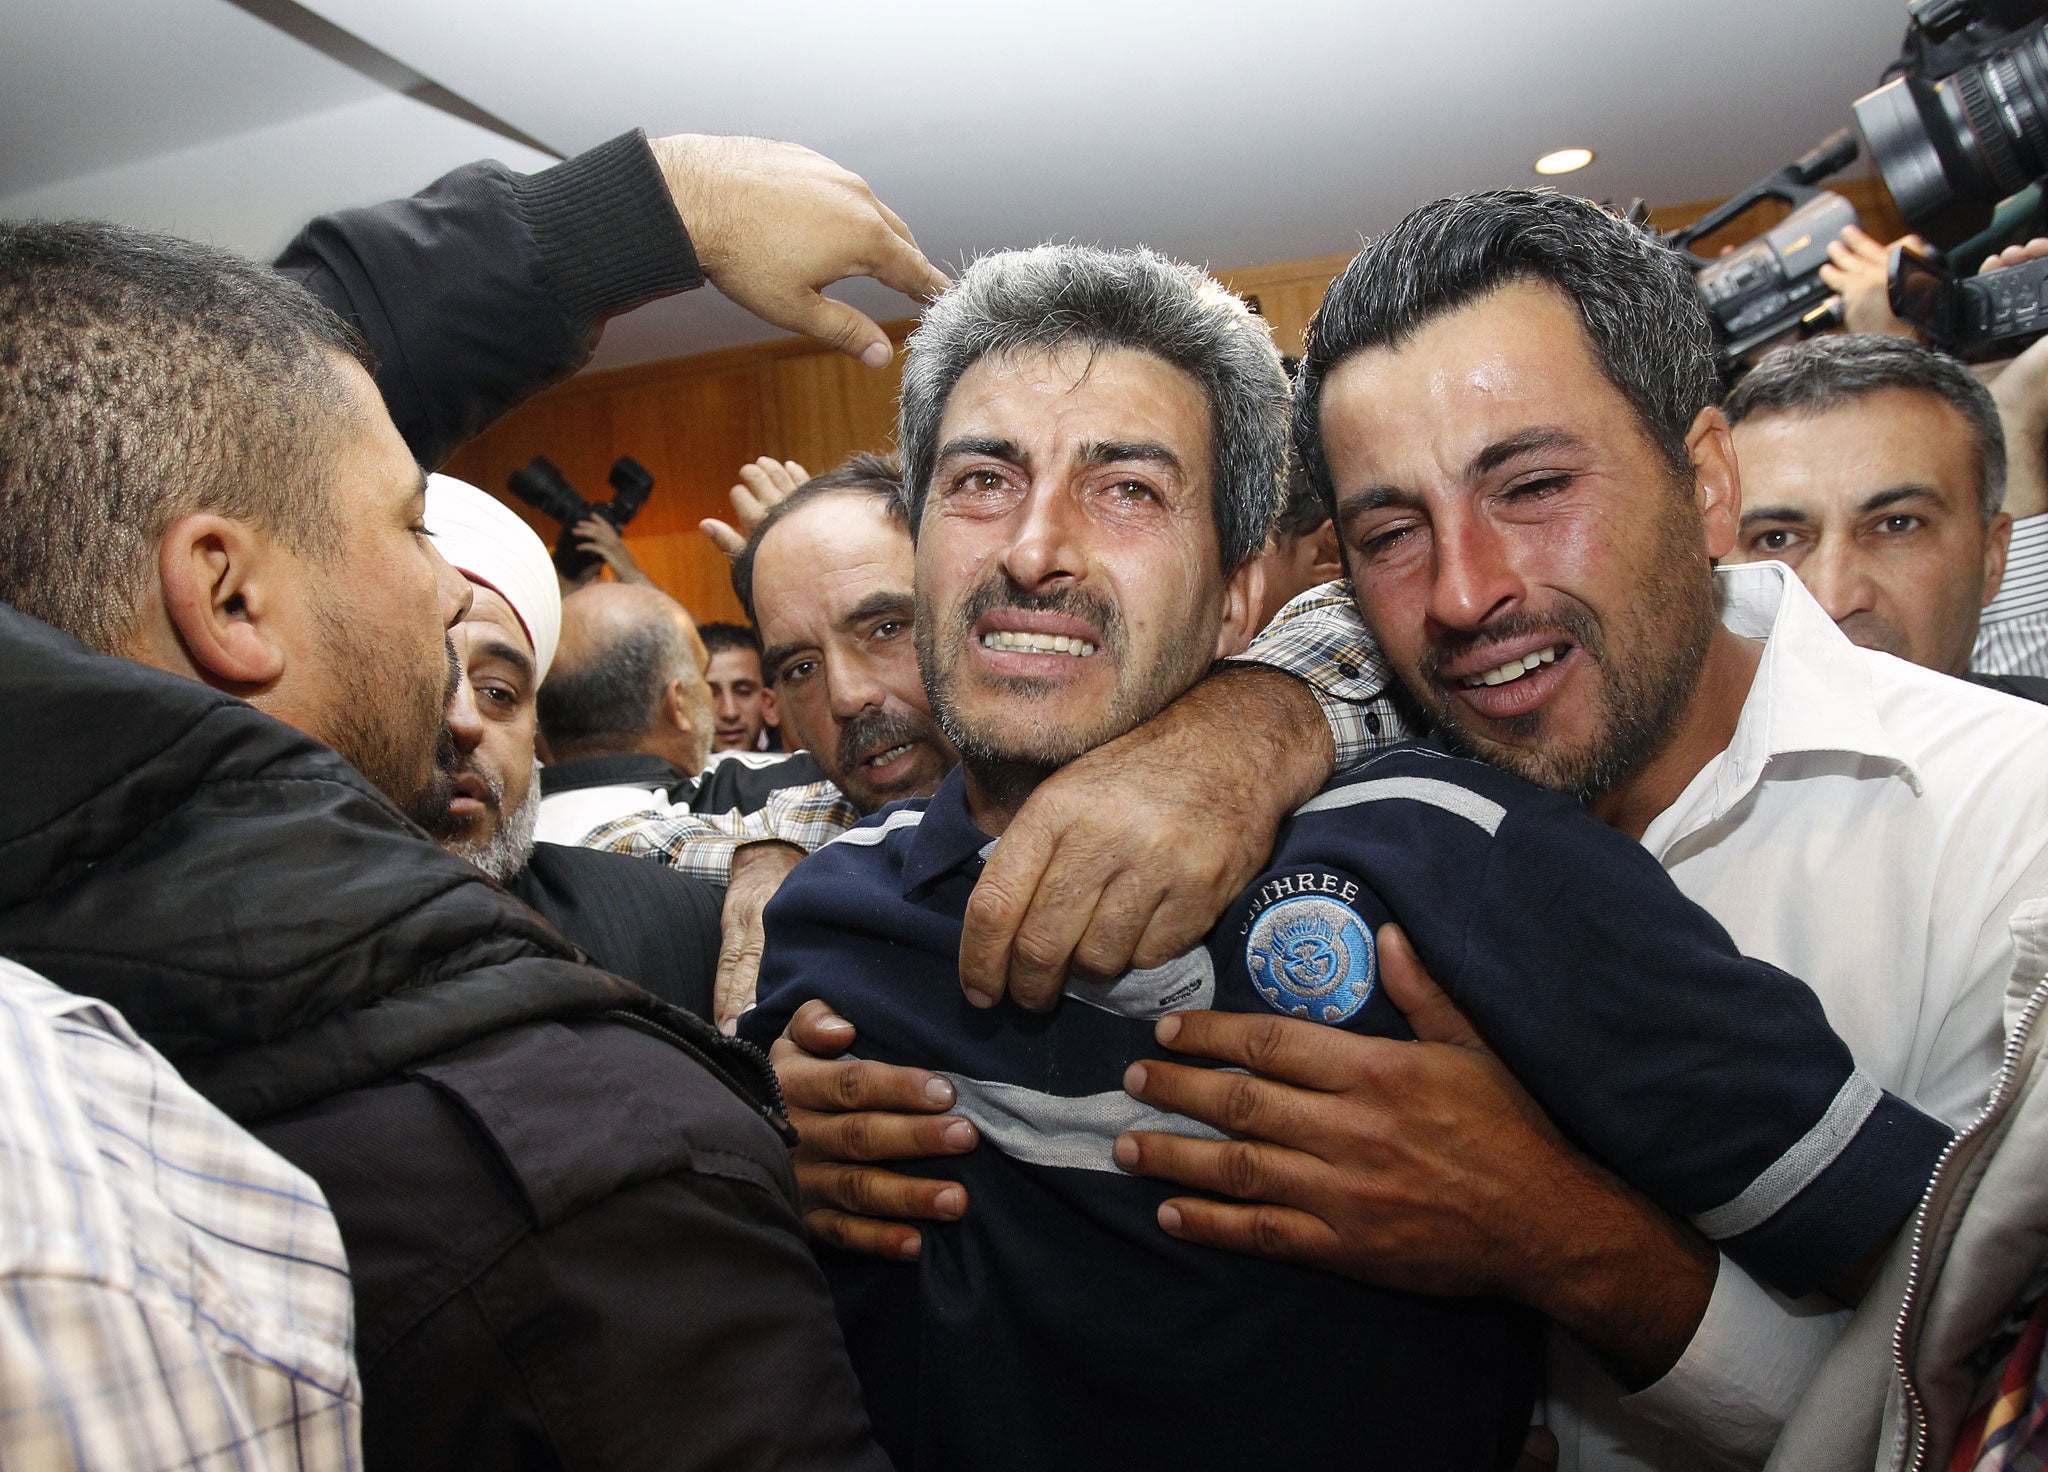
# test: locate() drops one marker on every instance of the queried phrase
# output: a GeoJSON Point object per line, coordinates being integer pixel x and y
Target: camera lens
{"type": "Point", "coordinates": [1977, 136]}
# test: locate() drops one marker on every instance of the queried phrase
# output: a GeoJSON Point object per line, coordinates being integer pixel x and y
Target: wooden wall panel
{"type": "Point", "coordinates": [694, 421]}
{"type": "Point", "coordinates": [1288, 293]}
{"type": "Point", "coordinates": [825, 406]}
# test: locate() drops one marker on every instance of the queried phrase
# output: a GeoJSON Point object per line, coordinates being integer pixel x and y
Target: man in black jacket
{"type": "Point", "coordinates": [569, 1219]}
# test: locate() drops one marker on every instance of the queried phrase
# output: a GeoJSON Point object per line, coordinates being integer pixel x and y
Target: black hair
{"type": "Point", "coordinates": [143, 378]}
{"type": "Point", "coordinates": [1634, 296]}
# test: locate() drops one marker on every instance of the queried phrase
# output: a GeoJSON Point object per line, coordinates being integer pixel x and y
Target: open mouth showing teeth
{"type": "Point", "coordinates": [882, 759]}
{"type": "Point", "coordinates": [1038, 644]}
{"type": "Point", "coordinates": [1514, 669]}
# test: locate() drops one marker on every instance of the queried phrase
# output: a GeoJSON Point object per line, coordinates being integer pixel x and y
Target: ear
{"type": "Point", "coordinates": [221, 590]}
{"type": "Point", "coordinates": [1243, 596]}
{"type": "Point", "coordinates": [1328, 563]}
{"type": "Point", "coordinates": [769, 716]}
{"type": "Point", "coordinates": [1997, 543]}
{"type": "Point", "coordinates": [1716, 484]}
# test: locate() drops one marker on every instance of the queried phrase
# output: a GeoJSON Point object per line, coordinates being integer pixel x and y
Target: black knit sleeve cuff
{"type": "Point", "coordinates": [607, 230]}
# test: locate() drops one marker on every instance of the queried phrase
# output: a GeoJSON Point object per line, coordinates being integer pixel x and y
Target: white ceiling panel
{"type": "Point", "coordinates": [88, 84]}
{"type": "Point", "coordinates": [1222, 132]}
{"type": "Point", "coordinates": [250, 192]}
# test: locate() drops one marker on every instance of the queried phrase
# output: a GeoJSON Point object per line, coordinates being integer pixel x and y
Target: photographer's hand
{"type": "Point", "coordinates": [1858, 272]}
{"type": "Point", "coordinates": [774, 224]}
{"type": "Point", "coordinates": [2020, 388]}
{"type": "Point", "coordinates": [596, 535]}
{"type": "Point", "coordinates": [763, 484]}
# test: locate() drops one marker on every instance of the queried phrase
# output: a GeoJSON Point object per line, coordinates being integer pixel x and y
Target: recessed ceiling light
{"type": "Point", "coordinates": [1564, 161]}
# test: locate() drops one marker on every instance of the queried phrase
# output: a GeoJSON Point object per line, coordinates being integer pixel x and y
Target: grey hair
{"type": "Point", "coordinates": [1828, 372]}
{"type": "Point", "coordinates": [1057, 296]}
{"type": "Point", "coordinates": [1634, 296]}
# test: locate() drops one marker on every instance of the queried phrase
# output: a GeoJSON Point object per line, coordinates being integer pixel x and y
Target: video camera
{"type": "Point", "coordinates": [1772, 284]}
{"type": "Point", "coordinates": [1975, 318]}
{"type": "Point", "coordinates": [1962, 122]}
{"type": "Point", "coordinates": [543, 487]}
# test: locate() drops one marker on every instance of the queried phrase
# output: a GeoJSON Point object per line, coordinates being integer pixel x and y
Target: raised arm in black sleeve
{"type": "Point", "coordinates": [487, 286]}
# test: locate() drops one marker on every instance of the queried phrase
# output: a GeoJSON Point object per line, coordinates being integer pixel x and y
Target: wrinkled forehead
{"type": "Point", "coordinates": [1079, 393]}
{"type": "Point", "coordinates": [825, 558]}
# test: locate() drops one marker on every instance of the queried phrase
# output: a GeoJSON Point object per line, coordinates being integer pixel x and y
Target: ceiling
{"type": "Point", "coordinates": [1227, 133]}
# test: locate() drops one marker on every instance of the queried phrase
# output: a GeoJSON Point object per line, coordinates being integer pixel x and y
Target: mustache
{"type": "Point", "coordinates": [1577, 624]}
{"type": "Point", "coordinates": [876, 729]}
{"type": "Point", "coordinates": [1081, 603]}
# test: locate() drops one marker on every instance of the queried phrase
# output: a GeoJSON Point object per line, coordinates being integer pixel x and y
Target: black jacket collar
{"type": "Point", "coordinates": [627, 769]}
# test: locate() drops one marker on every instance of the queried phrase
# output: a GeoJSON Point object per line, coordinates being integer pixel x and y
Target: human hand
{"type": "Point", "coordinates": [758, 870]}
{"type": "Point", "coordinates": [2020, 388]}
{"type": "Point", "coordinates": [2016, 255]}
{"type": "Point", "coordinates": [763, 485]}
{"type": "Point", "coordinates": [596, 535]}
{"type": "Point", "coordinates": [774, 224]}
{"type": "Point", "coordinates": [1422, 1166]}
{"type": "Point", "coordinates": [1858, 271]}
{"type": "Point", "coordinates": [1126, 856]}
{"type": "Point", "coordinates": [850, 1111]}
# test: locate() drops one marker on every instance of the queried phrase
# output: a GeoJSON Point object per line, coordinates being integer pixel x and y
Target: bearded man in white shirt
{"type": "Point", "coordinates": [1510, 399]}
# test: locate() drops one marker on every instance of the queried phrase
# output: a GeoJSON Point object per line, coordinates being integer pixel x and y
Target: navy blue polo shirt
{"type": "Point", "coordinates": [1057, 1326]}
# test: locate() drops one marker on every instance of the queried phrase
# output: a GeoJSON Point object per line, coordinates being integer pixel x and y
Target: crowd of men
{"type": "Point", "coordinates": [1472, 901]}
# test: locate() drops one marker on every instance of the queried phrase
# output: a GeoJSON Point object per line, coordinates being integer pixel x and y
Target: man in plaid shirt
{"type": "Point", "coordinates": [175, 1294]}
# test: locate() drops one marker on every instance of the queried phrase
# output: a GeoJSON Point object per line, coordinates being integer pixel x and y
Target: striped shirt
{"type": "Point", "coordinates": [175, 1294]}
{"type": "Point", "coordinates": [2012, 634]}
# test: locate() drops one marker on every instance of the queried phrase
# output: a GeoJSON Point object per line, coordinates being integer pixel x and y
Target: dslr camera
{"type": "Point", "coordinates": [543, 487]}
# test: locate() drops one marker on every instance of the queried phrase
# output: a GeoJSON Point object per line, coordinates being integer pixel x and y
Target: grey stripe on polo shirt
{"type": "Point", "coordinates": [1795, 1170]}
{"type": "Point", "coordinates": [1449, 796]}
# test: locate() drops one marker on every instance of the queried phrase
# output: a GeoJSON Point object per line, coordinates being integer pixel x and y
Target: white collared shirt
{"type": "Point", "coordinates": [1870, 828]}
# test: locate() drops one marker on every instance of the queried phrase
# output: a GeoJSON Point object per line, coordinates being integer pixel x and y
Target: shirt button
{"type": "Point", "coordinates": [1372, 723]}
{"type": "Point", "coordinates": [1348, 670]}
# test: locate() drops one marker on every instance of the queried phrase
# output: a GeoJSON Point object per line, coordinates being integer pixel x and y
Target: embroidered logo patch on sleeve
{"type": "Point", "coordinates": [1312, 957]}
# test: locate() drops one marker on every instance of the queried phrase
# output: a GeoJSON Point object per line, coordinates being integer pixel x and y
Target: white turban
{"type": "Point", "coordinates": [485, 541]}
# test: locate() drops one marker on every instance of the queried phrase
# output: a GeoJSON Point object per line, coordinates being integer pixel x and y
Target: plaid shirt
{"type": "Point", "coordinates": [700, 844]}
{"type": "Point", "coordinates": [175, 1294]}
{"type": "Point", "coordinates": [1320, 639]}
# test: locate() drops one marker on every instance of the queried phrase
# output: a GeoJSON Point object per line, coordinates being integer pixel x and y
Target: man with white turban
{"type": "Point", "coordinates": [641, 921]}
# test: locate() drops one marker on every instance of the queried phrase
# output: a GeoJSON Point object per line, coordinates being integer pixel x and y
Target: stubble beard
{"type": "Point", "coordinates": [1646, 686]}
{"type": "Point", "coordinates": [394, 732]}
{"type": "Point", "coordinates": [1008, 756]}
{"type": "Point", "coordinates": [509, 846]}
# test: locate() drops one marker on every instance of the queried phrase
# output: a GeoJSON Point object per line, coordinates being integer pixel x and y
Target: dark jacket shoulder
{"type": "Point", "coordinates": [543, 1221]}
{"type": "Point", "coordinates": [636, 919]}
{"type": "Point", "coordinates": [737, 785]}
